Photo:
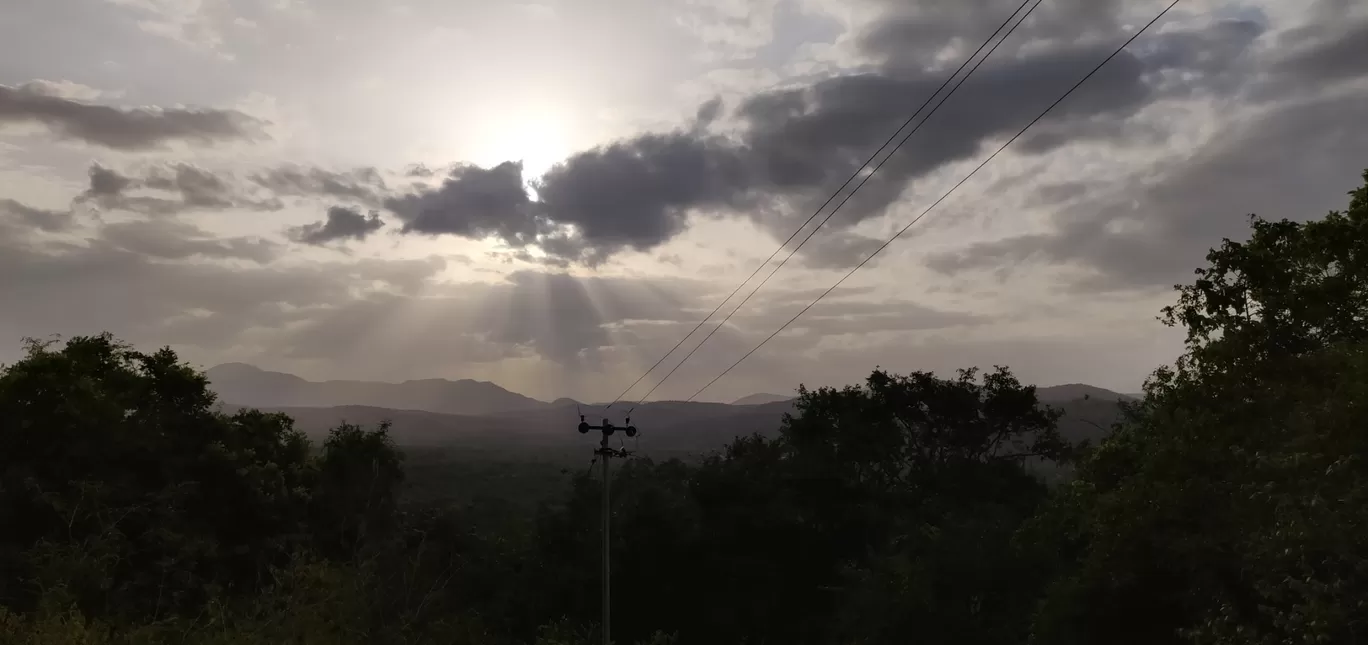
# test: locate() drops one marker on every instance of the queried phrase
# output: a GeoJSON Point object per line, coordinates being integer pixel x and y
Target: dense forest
{"type": "Point", "coordinates": [1230, 505]}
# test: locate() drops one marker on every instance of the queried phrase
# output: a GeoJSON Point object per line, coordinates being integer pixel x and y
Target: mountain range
{"type": "Point", "coordinates": [479, 414]}
{"type": "Point", "coordinates": [249, 385]}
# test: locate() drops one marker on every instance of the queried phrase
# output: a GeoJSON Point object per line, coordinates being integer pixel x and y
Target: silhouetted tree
{"type": "Point", "coordinates": [1230, 507]}
{"type": "Point", "coordinates": [122, 484]}
{"type": "Point", "coordinates": [356, 496]}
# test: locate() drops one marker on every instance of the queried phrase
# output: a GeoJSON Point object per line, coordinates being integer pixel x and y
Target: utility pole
{"type": "Point", "coordinates": [605, 453]}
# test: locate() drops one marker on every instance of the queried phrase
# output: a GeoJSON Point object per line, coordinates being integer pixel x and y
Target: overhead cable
{"type": "Point", "coordinates": [904, 229]}
{"type": "Point", "coordinates": [855, 175]}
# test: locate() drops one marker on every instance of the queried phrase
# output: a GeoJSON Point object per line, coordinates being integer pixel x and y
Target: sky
{"type": "Point", "coordinates": [549, 195]}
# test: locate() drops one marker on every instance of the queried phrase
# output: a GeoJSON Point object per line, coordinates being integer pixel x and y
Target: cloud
{"type": "Point", "coordinates": [123, 128]}
{"type": "Point", "coordinates": [364, 185]}
{"type": "Point", "coordinates": [1340, 54]}
{"type": "Point", "coordinates": [472, 202]}
{"type": "Point", "coordinates": [159, 281]}
{"type": "Point", "coordinates": [708, 112]}
{"type": "Point", "coordinates": [788, 147]}
{"type": "Point", "coordinates": [34, 218]}
{"type": "Point", "coordinates": [162, 282]}
{"type": "Point", "coordinates": [196, 24]}
{"type": "Point", "coordinates": [1292, 160]}
{"type": "Point", "coordinates": [171, 188]}
{"type": "Point", "coordinates": [730, 29]}
{"type": "Point", "coordinates": [66, 90]}
{"type": "Point", "coordinates": [638, 193]}
{"type": "Point", "coordinates": [172, 240]}
{"type": "Point", "coordinates": [915, 35]}
{"type": "Point", "coordinates": [342, 224]}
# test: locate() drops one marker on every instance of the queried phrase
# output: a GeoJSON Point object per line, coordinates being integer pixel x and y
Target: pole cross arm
{"type": "Point", "coordinates": [607, 427]}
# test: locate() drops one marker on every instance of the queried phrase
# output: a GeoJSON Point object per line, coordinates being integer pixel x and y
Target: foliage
{"type": "Point", "coordinates": [117, 456]}
{"type": "Point", "coordinates": [359, 474]}
{"type": "Point", "coordinates": [1230, 508]}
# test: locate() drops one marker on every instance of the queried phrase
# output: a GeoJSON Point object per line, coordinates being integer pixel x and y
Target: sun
{"type": "Point", "coordinates": [537, 138]}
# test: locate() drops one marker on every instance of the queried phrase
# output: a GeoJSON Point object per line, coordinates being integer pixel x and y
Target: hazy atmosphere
{"type": "Point", "coordinates": [683, 322]}
{"type": "Point", "coordinates": [549, 195]}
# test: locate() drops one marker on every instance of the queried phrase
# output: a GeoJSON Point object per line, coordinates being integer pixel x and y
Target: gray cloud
{"type": "Point", "coordinates": [910, 35]}
{"type": "Point", "coordinates": [1296, 161]}
{"type": "Point", "coordinates": [342, 223]}
{"type": "Point", "coordinates": [793, 145]}
{"type": "Point", "coordinates": [708, 112]}
{"type": "Point", "coordinates": [1340, 54]}
{"type": "Point", "coordinates": [837, 249]}
{"type": "Point", "coordinates": [149, 283]}
{"type": "Point", "coordinates": [420, 171]}
{"type": "Point", "coordinates": [473, 202]}
{"type": "Point", "coordinates": [629, 194]}
{"type": "Point", "coordinates": [39, 218]}
{"type": "Point", "coordinates": [637, 193]}
{"type": "Point", "coordinates": [364, 185]}
{"type": "Point", "coordinates": [120, 128]}
{"type": "Point", "coordinates": [173, 188]}
{"type": "Point", "coordinates": [171, 240]}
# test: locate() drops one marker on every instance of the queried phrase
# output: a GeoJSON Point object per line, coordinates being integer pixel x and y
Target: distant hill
{"type": "Point", "coordinates": [761, 399]}
{"type": "Point", "coordinates": [248, 385]}
{"type": "Point", "coordinates": [482, 415]}
{"type": "Point", "coordinates": [666, 428]}
{"type": "Point", "coordinates": [1075, 391]}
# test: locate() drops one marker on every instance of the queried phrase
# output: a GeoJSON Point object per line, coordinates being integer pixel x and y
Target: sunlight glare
{"type": "Point", "coordinates": [536, 137]}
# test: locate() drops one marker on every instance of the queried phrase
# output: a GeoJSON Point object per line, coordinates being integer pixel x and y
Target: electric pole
{"type": "Point", "coordinates": [605, 453]}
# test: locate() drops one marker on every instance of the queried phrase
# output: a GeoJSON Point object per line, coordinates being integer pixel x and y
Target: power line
{"type": "Point", "coordinates": [918, 218]}
{"type": "Point", "coordinates": [893, 137]}
{"type": "Point", "coordinates": [858, 186]}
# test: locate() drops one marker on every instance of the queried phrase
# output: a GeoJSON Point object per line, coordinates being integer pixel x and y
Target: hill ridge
{"type": "Point", "coordinates": [247, 384]}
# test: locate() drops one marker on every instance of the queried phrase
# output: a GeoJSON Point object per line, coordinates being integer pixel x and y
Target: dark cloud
{"type": "Point", "coordinates": [473, 202]}
{"type": "Point", "coordinates": [105, 182]}
{"type": "Point", "coordinates": [793, 145]}
{"type": "Point", "coordinates": [1328, 54]}
{"type": "Point", "coordinates": [168, 189]}
{"type": "Point", "coordinates": [364, 185]}
{"type": "Point", "coordinates": [1296, 161]}
{"type": "Point", "coordinates": [120, 128]}
{"type": "Point", "coordinates": [708, 112]}
{"type": "Point", "coordinates": [13, 212]}
{"type": "Point", "coordinates": [630, 194]}
{"type": "Point", "coordinates": [809, 140]}
{"type": "Point", "coordinates": [342, 223]}
{"type": "Point", "coordinates": [914, 35]}
{"type": "Point", "coordinates": [638, 193]}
